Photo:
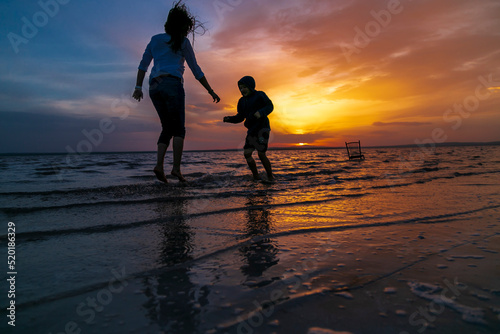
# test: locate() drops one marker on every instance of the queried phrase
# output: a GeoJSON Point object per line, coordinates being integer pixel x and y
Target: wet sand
{"type": "Point", "coordinates": [400, 280]}
{"type": "Point", "coordinates": [437, 276]}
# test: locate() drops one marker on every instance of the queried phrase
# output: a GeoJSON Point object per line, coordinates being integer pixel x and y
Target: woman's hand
{"type": "Point", "coordinates": [214, 96]}
{"type": "Point", "coordinates": [225, 119]}
{"type": "Point", "coordinates": [137, 94]}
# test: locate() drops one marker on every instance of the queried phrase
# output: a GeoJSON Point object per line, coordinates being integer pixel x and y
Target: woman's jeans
{"type": "Point", "coordinates": [167, 94]}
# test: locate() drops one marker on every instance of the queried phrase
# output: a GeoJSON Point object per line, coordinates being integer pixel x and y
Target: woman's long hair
{"type": "Point", "coordinates": [180, 23]}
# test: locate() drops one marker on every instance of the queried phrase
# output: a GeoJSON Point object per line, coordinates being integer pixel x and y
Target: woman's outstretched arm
{"type": "Point", "coordinates": [204, 82]}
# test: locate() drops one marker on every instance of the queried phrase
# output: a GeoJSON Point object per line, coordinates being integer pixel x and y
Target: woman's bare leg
{"type": "Point", "coordinates": [160, 158]}
{"type": "Point", "coordinates": [178, 147]}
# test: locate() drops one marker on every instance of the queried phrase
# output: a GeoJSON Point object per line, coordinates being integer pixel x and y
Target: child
{"type": "Point", "coordinates": [254, 107]}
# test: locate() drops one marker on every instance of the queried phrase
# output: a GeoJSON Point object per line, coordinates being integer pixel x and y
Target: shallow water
{"type": "Point", "coordinates": [80, 217]}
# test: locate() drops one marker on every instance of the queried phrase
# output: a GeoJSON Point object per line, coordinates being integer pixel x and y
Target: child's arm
{"type": "Point", "coordinates": [238, 118]}
{"type": "Point", "coordinates": [267, 109]}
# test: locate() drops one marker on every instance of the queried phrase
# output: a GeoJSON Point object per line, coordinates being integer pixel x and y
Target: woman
{"type": "Point", "coordinates": [169, 51]}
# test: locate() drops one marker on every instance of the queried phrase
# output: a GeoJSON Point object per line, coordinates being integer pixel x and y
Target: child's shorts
{"type": "Point", "coordinates": [257, 142]}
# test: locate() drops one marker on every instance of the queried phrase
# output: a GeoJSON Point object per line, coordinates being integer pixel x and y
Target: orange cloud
{"type": "Point", "coordinates": [427, 58]}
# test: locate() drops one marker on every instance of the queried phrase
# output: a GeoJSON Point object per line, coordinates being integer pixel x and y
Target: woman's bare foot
{"type": "Point", "coordinates": [160, 175]}
{"type": "Point", "coordinates": [178, 175]}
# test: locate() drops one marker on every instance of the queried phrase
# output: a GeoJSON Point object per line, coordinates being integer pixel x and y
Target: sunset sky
{"type": "Point", "coordinates": [383, 72]}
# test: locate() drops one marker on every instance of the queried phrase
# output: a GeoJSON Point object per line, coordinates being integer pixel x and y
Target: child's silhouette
{"type": "Point", "coordinates": [253, 108]}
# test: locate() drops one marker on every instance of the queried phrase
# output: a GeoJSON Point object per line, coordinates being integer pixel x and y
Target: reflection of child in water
{"type": "Point", "coordinates": [253, 107]}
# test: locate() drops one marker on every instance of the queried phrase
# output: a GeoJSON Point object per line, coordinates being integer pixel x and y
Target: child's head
{"type": "Point", "coordinates": [245, 91]}
{"type": "Point", "coordinates": [246, 85]}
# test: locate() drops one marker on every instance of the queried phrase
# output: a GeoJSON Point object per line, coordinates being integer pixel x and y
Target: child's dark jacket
{"type": "Point", "coordinates": [257, 101]}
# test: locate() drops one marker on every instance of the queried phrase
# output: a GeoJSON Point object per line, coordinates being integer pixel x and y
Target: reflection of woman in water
{"type": "Point", "coordinates": [172, 297]}
{"type": "Point", "coordinates": [170, 50]}
{"type": "Point", "coordinates": [262, 254]}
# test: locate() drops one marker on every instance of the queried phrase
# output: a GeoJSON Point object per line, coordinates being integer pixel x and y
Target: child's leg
{"type": "Point", "coordinates": [267, 165]}
{"type": "Point", "coordinates": [251, 162]}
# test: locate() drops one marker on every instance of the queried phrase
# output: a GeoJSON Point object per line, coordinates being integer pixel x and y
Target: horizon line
{"type": "Point", "coordinates": [301, 147]}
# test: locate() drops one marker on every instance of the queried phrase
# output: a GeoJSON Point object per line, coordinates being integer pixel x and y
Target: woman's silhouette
{"type": "Point", "coordinates": [170, 50]}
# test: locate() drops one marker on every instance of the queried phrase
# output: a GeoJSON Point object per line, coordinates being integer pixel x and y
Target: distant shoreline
{"type": "Point", "coordinates": [305, 147]}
